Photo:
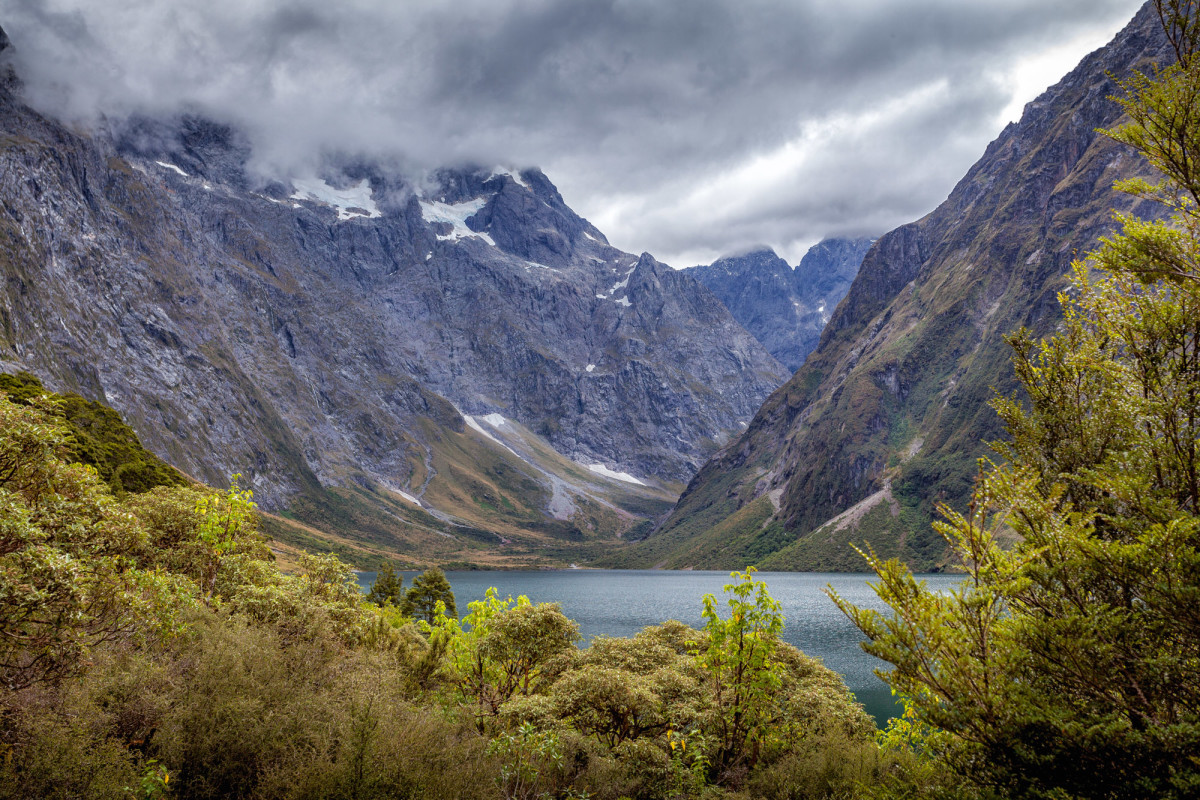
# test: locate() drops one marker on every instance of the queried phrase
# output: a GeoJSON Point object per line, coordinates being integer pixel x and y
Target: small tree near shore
{"type": "Point", "coordinates": [429, 588]}
{"type": "Point", "coordinates": [387, 587]}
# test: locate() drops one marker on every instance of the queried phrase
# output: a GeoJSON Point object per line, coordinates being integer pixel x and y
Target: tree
{"type": "Point", "coordinates": [624, 689]}
{"type": "Point", "coordinates": [69, 574]}
{"type": "Point", "coordinates": [1069, 664]}
{"type": "Point", "coordinates": [387, 587]}
{"type": "Point", "coordinates": [521, 642]}
{"type": "Point", "coordinates": [500, 650]}
{"type": "Point", "coordinates": [743, 677]}
{"type": "Point", "coordinates": [428, 589]}
{"type": "Point", "coordinates": [224, 521]}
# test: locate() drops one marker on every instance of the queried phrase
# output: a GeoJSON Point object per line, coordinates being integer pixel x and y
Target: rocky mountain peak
{"type": "Point", "coordinates": [760, 261]}
{"type": "Point", "coordinates": [785, 308]}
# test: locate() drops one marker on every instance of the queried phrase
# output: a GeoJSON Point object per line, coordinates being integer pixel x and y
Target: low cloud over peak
{"type": "Point", "coordinates": [683, 127]}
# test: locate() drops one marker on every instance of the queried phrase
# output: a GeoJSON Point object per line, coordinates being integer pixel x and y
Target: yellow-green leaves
{"type": "Point", "coordinates": [1069, 663]}
{"type": "Point", "coordinates": [742, 675]}
{"type": "Point", "coordinates": [501, 650]}
{"type": "Point", "coordinates": [71, 576]}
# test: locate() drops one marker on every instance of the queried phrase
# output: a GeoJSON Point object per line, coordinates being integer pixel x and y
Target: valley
{"type": "Point", "coordinates": [456, 368]}
{"type": "Point", "coordinates": [341, 457]}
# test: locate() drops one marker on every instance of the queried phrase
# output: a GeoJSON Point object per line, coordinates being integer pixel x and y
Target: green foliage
{"type": "Point", "coordinates": [387, 587]}
{"type": "Point", "coordinates": [615, 705]}
{"type": "Point", "coordinates": [1069, 664]}
{"type": "Point", "coordinates": [690, 763]}
{"type": "Point", "coordinates": [621, 690]}
{"type": "Point", "coordinates": [738, 660]}
{"type": "Point", "coordinates": [429, 589]}
{"type": "Point", "coordinates": [500, 649]}
{"type": "Point", "coordinates": [155, 782]}
{"type": "Point", "coordinates": [523, 643]}
{"type": "Point", "coordinates": [69, 578]}
{"type": "Point", "coordinates": [198, 670]}
{"type": "Point", "coordinates": [531, 764]}
{"type": "Point", "coordinates": [322, 601]}
{"type": "Point", "coordinates": [221, 524]}
{"type": "Point", "coordinates": [248, 712]}
{"type": "Point", "coordinates": [196, 532]}
{"type": "Point", "coordinates": [58, 746]}
{"type": "Point", "coordinates": [96, 435]}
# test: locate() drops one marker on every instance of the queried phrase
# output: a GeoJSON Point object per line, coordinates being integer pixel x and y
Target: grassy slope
{"type": "Point", "coordinates": [485, 506]}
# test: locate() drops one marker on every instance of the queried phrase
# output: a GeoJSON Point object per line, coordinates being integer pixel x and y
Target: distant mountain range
{"type": "Point", "coordinates": [453, 368]}
{"type": "Point", "coordinates": [784, 308]}
{"type": "Point", "coordinates": [889, 414]}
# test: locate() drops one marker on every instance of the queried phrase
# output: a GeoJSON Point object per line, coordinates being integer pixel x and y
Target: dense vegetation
{"type": "Point", "coordinates": [149, 647]}
{"type": "Point", "coordinates": [97, 436]}
{"type": "Point", "coordinates": [1069, 664]}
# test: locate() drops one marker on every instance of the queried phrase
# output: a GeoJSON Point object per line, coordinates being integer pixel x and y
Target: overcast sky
{"type": "Point", "coordinates": [688, 128]}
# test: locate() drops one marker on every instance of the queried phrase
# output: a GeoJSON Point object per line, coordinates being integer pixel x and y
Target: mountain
{"type": "Point", "coordinates": [456, 367]}
{"type": "Point", "coordinates": [889, 414]}
{"type": "Point", "coordinates": [785, 308]}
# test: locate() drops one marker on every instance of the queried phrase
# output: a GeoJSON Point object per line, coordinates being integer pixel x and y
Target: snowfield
{"type": "Point", "coordinates": [350, 203]}
{"type": "Point", "coordinates": [600, 469]}
{"type": "Point", "coordinates": [457, 215]}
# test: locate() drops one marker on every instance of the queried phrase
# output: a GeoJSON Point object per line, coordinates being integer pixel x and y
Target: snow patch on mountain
{"type": "Point", "coordinates": [516, 176]}
{"type": "Point", "coordinates": [600, 469]}
{"type": "Point", "coordinates": [356, 201]}
{"type": "Point", "coordinates": [495, 420]}
{"type": "Point", "coordinates": [616, 287]}
{"type": "Point", "coordinates": [165, 165]}
{"type": "Point", "coordinates": [456, 215]}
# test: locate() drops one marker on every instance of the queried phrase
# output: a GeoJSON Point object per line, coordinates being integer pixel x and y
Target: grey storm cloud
{"type": "Point", "coordinates": [683, 127]}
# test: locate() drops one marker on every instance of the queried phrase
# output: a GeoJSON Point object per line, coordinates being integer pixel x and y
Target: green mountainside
{"type": "Point", "coordinates": [890, 414]}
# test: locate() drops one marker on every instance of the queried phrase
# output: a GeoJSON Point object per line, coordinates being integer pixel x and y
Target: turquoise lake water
{"type": "Point", "coordinates": [622, 602]}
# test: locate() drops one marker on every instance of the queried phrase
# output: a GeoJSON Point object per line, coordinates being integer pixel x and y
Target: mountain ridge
{"type": "Point", "coordinates": [892, 405]}
{"type": "Point", "coordinates": [326, 337]}
{"type": "Point", "coordinates": [785, 307]}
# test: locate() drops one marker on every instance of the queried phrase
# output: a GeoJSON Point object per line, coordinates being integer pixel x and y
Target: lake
{"type": "Point", "coordinates": [622, 602]}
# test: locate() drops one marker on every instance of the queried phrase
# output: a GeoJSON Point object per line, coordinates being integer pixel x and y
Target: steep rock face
{"type": "Point", "coordinates": [785, 308]}
{"type": "Point", "coordinates": [332, 330]}
{"type": "Point", "coordinates": [828, 268]}
{"type": "Point", "coordinates": [890, 412]}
